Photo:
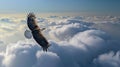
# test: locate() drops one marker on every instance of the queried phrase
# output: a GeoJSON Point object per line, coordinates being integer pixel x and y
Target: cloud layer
{"type": "Point", "coordinates": [74, 43]}
{"type": "Point", "coordinates": [80, 51]}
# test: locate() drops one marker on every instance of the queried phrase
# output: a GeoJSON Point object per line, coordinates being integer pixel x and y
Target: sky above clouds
{"type": "Point", "coordinates": [94, 7]}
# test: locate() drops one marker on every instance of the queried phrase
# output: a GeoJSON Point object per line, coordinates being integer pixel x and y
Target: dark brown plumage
{"type": "Point", "coordinates": [36, 32]}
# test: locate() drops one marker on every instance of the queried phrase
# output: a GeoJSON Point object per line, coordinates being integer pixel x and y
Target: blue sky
{"type": "Point", "coordinates": [61, 6]}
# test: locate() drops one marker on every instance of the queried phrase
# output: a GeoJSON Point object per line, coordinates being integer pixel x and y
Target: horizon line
{"type": "Point", "coordinates": [62, 14]}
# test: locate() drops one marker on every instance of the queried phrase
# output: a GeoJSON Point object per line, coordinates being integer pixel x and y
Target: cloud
{"type": "Point", "coordinates": [1, 42]}
{"type": "Point", "coordinates": [5, 20]}
{"type": "Point", "coordinates": [1, 59]}
{"type": "Point", "coordinates": [84, 47]}
{"type": "Point", "coordinates": [11, 29]}
{"type": "Point", "coordinates": [53, 16]}
{"type": "Point", "coordinates": [21, 54]}
{"type": "Point", "coordinates": [111, 59]}
{"type": "Point", "coordinates": [102, 19]}
{"type": "Point", "coordinates": [2, 45]}
{"type": "Point", "coordinates": [80, 51]}
{"type": "Point", "coordinates": [41, 19]}
{"type": "Point", "coordinates": [67, 29]}
{"type": "Point", "coordinates": [47, 59]}
{"type": "Point", "coordinates": [24, 54]}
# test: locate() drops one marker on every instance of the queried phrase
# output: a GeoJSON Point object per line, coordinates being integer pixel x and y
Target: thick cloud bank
{"type": "Point", "coordinates": [79, 45]}
{"type": "Point", "coordinates": [83, 50]}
